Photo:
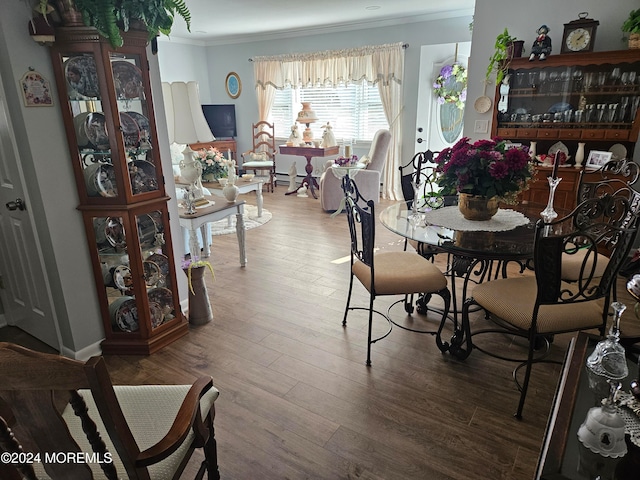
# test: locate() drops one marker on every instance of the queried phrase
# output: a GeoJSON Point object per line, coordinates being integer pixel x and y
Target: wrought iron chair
{"type": "Point", "coordinates": [262, 157]}
{"type": "Point", "coordinates": [53, 405]}
{"type": "Point", "coordinates": [418, 177]}
{"type": "Point", "coordinates": [535, 307]}
{"type": "Point", "coordinates": [386, 273]}
{"type": "Point", "coordinates": [615, 177]}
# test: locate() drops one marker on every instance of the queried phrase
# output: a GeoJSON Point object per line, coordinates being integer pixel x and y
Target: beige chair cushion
{"type": "Point", "coordinates": [572, 264]}
{"type": "Point", "coordinates": [401, 272]}
{"type": "Point", "coordinates": [149, 410]}
{"type": "Point", "coordinates": [513, 299]}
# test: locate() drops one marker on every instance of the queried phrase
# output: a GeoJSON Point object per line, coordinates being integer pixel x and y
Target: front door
{"type": "Point", "coordinates": [24, 290]}
{"type": "Point", "coordinates": [438, 126]}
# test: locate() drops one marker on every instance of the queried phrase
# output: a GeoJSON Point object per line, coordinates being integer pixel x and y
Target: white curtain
{"type": "Point", "coordinates": [377, 64]}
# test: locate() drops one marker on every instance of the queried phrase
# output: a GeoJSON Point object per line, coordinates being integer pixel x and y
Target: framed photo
{"type": "Point", "coordinates": [597, 159]}
{"type": "Point", "coordinates": [233, 85]}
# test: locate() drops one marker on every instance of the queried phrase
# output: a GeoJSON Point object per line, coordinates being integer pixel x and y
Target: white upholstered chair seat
{"type": "Point", "coordinates": [149, 410]}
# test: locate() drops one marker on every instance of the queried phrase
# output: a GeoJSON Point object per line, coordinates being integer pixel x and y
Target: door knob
{"type": "Point", "coordinates": [419, 140]}
{"type": "Point", "coordinates": [17, 204]}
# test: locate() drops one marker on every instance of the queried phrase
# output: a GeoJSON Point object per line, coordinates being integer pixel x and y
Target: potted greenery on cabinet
{"type": "Point", "coordinates": [506, 48]}
{"type": "Point", "coordinates": [632, 26]}
{"type": "Point", "coordinates": [109, 17]}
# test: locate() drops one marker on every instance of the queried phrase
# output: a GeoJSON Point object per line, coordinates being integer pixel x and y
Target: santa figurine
{"type": "Point", "coordinates": [541, 47]}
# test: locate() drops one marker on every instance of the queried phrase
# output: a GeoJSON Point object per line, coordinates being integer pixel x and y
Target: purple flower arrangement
{"type": "Point", "coordinates": [346, 161]}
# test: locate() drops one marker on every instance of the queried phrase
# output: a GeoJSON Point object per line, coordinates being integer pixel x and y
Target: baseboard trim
{"type": "Point", "coordinates": [84, 354]}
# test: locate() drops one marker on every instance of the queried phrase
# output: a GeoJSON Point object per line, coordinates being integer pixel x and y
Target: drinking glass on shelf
{"type": "Point", "coordinates": [577, 80]}
{"type": "Point", "coordinates": [611, 112]}
{"type": "Point", "coordinates": [602, 79]}
{"type": "Point", "coordinates": [578, 116]}
{"type": "Point", "coordinates": [589, 113]}
{"type": "Point", "coordinates": [533, 79]}
{"type": "Point", "coordinates": [624, 105]}
{"type": "Point", "coordinates": [614, 76]}
{"type": "Point", "coordinates": [600, 109]}
{"type": "Point", "coordinates": [589, 81]}
{"type": "Point", "coordinates": [542, 81]}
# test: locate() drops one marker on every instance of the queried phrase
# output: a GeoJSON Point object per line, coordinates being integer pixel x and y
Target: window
{"type": "Point", "coordinates": [354, 111]}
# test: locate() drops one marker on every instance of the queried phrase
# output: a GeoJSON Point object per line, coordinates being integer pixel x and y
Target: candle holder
{"type": "Point", "coordinates": [549, 214]}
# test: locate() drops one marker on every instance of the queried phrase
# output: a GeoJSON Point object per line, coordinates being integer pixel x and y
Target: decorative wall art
{"type": "Point", "coordinates": [36, 90]}
{"type": "Point", "coordinates": [233, 85]}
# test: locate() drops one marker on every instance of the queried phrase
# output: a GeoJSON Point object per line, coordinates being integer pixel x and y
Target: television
{"type": "Point", "coordinates": [221, 120]}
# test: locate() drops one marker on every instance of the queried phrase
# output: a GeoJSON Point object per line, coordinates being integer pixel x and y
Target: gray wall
{"type": "Point", "coordinates": [222, 59]}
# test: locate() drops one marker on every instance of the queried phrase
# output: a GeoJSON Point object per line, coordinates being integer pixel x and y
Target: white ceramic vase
{"type": "Point", "coordinates": [532, 149]}
{"type": "Point", "coordinates": [230, 192]}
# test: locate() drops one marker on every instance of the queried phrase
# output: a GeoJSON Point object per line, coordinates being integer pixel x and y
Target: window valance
{"type": "Point", "coordinates": [375, 64]}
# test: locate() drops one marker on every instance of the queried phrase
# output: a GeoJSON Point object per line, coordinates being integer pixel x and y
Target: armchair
{"type": "Point", "coordinates": [368, 179]}
{"type": "Point", "coordinates": [58, 406]}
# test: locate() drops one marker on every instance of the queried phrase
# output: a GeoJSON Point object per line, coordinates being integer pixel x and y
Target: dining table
{"type": "Point", "coordinates": [476, 251]}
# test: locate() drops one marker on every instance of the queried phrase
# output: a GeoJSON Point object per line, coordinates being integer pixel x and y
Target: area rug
{"type": "Point", "coordinates": [251, 220]}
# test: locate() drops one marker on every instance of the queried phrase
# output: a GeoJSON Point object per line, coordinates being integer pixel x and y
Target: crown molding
{"type": "Point", "coordinates": [320, 30]}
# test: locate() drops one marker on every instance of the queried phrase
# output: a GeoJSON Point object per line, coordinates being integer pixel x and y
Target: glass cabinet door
{"type": "Point", "coordinates": [108, 144]}
{"type": "Point", "coordinates": [588, 102]}
{"type": "Point", "coordinates": [128, 286]}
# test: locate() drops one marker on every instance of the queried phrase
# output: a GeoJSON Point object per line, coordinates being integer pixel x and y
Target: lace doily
{"type": "Point", "coordinates": [629, 409]}
{"type": "Point", "coordinates": [450, 217]}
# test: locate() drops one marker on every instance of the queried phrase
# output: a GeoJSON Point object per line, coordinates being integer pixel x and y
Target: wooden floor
{"type": "Point", "coordinates": [297, 400]}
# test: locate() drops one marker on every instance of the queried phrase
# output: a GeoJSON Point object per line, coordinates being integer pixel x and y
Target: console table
{"type": "Point", "coordinates": [212, 213]}
{"type": "Point", "coordinates": [309, 153]}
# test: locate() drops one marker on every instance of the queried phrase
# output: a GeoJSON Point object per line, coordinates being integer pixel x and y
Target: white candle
{"type": "Point", "coordinates": [347, 151]}
{"type": "Point", "coordinates": [556, 164]}
{"type": "Point", "coordinates": [229, 153]}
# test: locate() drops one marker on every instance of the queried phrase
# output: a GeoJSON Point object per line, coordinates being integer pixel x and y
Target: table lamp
{"type": "Point", "coordinates": [307, 116]}
{"type": "Point", "coordinates": [186, 124]}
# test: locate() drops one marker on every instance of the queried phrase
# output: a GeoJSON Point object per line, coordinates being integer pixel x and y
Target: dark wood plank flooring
{"type": "Point", "coordinates": [296, 399]}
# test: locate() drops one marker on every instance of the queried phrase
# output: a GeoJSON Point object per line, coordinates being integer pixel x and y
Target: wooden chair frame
{"type": "Point", "coordinates": [30, 405]}
{"type": "Point", "coordinates": [264, 141]}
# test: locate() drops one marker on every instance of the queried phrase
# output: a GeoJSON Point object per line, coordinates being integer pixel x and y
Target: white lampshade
{"type": "Point", "coordinates": [185, 120]}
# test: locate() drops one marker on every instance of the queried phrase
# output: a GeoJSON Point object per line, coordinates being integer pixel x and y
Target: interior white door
{"type": "Point", "coordinates": [25, 292]}
{"type": "Point", "coordinates": [429, 134]}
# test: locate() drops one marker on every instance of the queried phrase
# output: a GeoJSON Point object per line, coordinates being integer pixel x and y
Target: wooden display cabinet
{"type": "Point", "coordinates": [110, 127]}
{"type": "Point", "coordinates": [583, 97]}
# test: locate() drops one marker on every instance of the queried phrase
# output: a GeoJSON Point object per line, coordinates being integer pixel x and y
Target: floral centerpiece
{"type": "Point", "coordinates": [451, 85]}
{"type": "Point", "coordinates": [490, 169]}
{"type": "Point", "coordinates": [214, 164]}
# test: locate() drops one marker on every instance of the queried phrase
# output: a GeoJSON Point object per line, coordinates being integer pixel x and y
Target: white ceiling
{"type": "Point", "coordinates": [230, 21]}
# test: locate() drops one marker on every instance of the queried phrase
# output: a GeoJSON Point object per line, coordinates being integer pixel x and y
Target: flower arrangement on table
{"type": "Point", "coordinates": [346, 161]}
{"type": "Point", "coordinates": [188, 264]}
{"type": "Point", "coordinates": [487, 168]}
{"type": "Point", "coordinates": [214, 164]}
{"type": "Point", "coordinates": [451, 85]}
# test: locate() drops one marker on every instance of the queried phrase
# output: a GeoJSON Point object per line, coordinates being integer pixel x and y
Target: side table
{"type": "Point", "coordinates": [212, 213]}
{"type": "Point", "coordinates": [309, 153]}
